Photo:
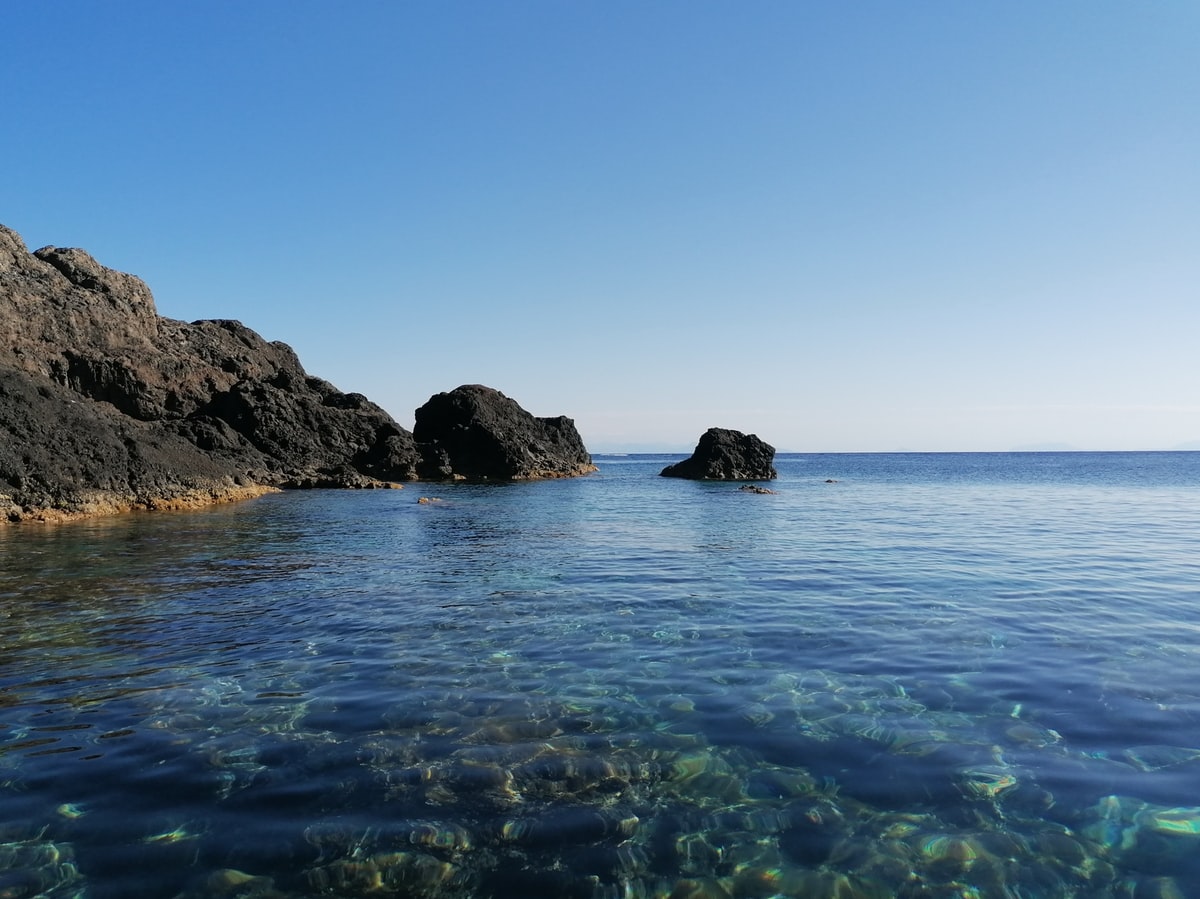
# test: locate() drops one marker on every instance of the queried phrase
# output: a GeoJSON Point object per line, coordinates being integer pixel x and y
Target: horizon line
{"type": "Point", "coordinates": [642, 451]}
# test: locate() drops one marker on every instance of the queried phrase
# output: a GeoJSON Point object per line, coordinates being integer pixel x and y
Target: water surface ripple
{"type": "Point", "coordinates": [902, 675]}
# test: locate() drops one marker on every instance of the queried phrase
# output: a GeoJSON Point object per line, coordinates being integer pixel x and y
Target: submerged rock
{"type": "Point", "coordinates": [726, 455]}
{"type": "Point", "coordinates": [477, 433]}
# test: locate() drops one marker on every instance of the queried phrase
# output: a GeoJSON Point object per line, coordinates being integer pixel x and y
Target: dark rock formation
{"type": "Point", "coordinates": [105, 405]}
{"type": "Point", "coordinates": [477, 433]}
{"type": "Point", "coordinates": [724, 455]}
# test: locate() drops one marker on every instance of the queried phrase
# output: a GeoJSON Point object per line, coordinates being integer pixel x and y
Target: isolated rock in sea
{"type": "Point", "coordinates": [725, 455]}
{"type": "Point", "coordinates": [105, 405]}
{"type": "Point", "coordinates": [477, 433]}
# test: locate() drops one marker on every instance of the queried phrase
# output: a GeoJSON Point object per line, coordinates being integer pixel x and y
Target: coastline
{"type": "Point", "coordinates": [108, 407]}
{"type": "Point", "coordinates": [100, 504]}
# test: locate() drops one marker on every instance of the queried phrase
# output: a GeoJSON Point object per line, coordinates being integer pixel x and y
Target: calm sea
{"type": "Point", "coordinates": [965, 675]}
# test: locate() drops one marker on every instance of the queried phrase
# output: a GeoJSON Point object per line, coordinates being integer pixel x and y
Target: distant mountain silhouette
{"type": "Point", "coordinates": [1046, 448]}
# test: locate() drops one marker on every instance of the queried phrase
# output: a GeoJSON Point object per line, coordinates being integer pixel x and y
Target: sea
{"type": "Point", "coordinates": [897, 675]}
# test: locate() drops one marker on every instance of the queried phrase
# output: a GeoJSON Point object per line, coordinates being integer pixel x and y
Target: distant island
{"type": "Point", "coordinates": [106, 406]}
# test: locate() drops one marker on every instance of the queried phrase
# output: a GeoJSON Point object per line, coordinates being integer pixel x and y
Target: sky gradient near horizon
{"type": "Point", "coordinates": [844, 227]}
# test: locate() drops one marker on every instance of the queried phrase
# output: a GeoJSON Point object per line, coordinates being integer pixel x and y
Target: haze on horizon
{"type": "Point", "coordinates": [928, 227]}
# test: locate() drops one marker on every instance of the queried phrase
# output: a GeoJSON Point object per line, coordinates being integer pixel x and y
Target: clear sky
{"type": "Point", "coordinates": [862, 226]}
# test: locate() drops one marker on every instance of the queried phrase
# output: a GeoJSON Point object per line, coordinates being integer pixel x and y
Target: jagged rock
{"type": "Point", "coordinates": [725, 455]}
{"type": "Point", "coordinates": [62, 457]}
{"type": "Point", "coordinates": [755, 488]}
{"type": "Point", "coordinates": [105, 405]}
{"type": "Point", "coordinates": [477, 433]}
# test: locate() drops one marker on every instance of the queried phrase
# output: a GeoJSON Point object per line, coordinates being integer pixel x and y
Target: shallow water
{"type": "Point", "coordinates": [939, 675]}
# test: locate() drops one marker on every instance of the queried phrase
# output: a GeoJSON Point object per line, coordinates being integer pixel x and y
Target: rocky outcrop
{"type": "Point", "coordinates": [63, 458]}
{"type": "Point", "coordinates": [105, 405]}
{"type": "Point", "coordinates": [477, 433]}
{"type": "Point", "coordinates": [725, 455]}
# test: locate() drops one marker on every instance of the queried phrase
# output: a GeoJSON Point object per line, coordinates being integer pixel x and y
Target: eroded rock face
{"type": "Point", "coordinates": [106, 405]}
{"type": "Point", "coordinates": [725, 455]}
{"type": "Point", "coordinates": [477, 433]}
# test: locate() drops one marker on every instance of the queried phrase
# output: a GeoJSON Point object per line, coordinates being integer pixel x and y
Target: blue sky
{"type": "Point", "coordinates": [844, 227]}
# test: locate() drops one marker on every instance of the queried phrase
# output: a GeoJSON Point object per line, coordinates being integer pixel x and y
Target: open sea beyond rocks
{"type": "Point", "coordinates": [943, 675]}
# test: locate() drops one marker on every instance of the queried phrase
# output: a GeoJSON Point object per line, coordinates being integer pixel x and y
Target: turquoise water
{"type": "Point", "coordinates": [938, 675]}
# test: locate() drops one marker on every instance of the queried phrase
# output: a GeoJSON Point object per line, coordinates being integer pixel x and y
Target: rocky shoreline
{"type": "Point", "coordinates": [106, 406]}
